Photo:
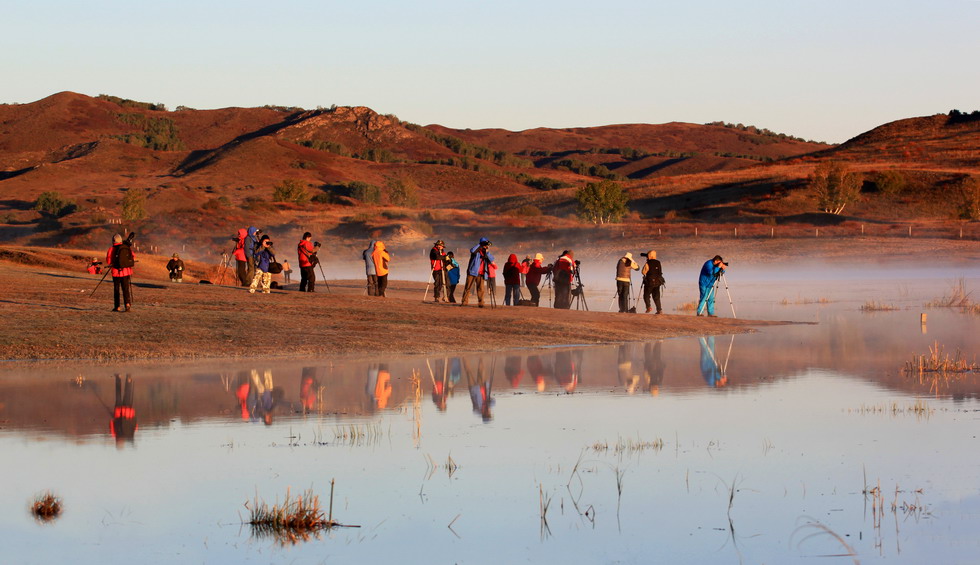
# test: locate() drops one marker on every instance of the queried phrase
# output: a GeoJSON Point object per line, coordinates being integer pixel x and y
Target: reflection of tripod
{"type": "Point", "coordinates": [578, 293]}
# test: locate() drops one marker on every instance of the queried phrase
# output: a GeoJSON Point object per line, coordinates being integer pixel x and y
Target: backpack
{"type": "Point", "coordinates": [123, 257]}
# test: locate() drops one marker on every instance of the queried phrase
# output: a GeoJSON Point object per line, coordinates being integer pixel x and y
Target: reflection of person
{"type": "Point", "coordinates": [480, 390]}
{"type": "Point", "coordinates": [308, 389]}
{"type": "Point", "coordinates": [378, 386]}
{"type": "Point", "coordinates": [442, 387]}
{"type": "Point", "coordinates": [565, 371]}
{"type": "Point", "coordinates": [242, 390]}
{"type": "Point", "coordinates": [710, 271]}
{"type": "Point", "coordinates": [710, 369]}
{"type": "Point", "coordinates": [123, 425]}
{"type": "Point", "coordinates": [262, 399]}
{"type": "Point", "coordinates": [627, 379]}
{"type": "Point", "coordinates": [538, 371]}
{"type": "Point", "coordinates": [176, 268]}
{"type": "Point", "coordinates": [562, 274]}
{"type": "Point", "coordinates": [513, 370]}
{"type": "Point", "coordinates": [624, 268]}
{"type": "Point", "coordinates": [653, 279]}
{"type": "Point", "coordinates": [653, 366]}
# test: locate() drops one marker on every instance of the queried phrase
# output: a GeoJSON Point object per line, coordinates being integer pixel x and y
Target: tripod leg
{"type": "Point", "coordinates": [426, 295]}
{"type": "Point", "coordinates": [730, 301]}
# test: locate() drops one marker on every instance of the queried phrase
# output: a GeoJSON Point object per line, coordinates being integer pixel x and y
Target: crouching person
{"type": "Point", "coordinates": [176, 268]}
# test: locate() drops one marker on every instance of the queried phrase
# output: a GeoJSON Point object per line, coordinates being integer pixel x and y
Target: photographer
{"type": "Point", "coordinates": [94, 267]}
{"type": "Point", "coordinates": [653, 279]}
{"type": "Point", "coordinates": [306, 250]}
{"type": "Point", "coordinates": [263, 258]}
{"type": "Point", "coordinates": [437, 263]}
{"type": "Point", "coordinates": [562, 275]}
{"type": "Point", "coordinates": [710, 271]}
{"type": "Point", "coordinates": [478, 271]}
{"type": "Point", "coordinates": [121, 259]}
{"type": "Point", "coordinates": [624, 281]}
{"type": "Point", "coordinates": [533, 273]}
{"type": "Point", "coordinates": [251, 246]}
{"type": "Point", "coordinates": [241, 261]}
{"type": "Point", "coordinates": [176, 268]}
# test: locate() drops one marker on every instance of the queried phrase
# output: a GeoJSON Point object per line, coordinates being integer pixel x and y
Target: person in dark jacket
{"type": "Point", "coordinates": [176, 268]}
{"type": "Point", "coordinates": [653, 279]}
{"type": "Point", "coordinates": [123, 424]}
{"type": "Point", "coordinates": [251, 245]}
{"type": "Point", "coordinates": [307, 255]}
{"type": "Point", "coordinates": [263, 258]}
{"type": "Point", "coordinates": [532, 276]}
{"type": "Point", "coordinates": [562, 274]}
{"type": "Point", "coordinates": [512, 280]}
{"type": "Point", "coordinates": [121, 276]}
{"type": "Point", "coordinates": [437, 262]}
{"type": "Point", "coordinates": [370, 271]}
{"type": "Point", "coordinates": [452, 276]}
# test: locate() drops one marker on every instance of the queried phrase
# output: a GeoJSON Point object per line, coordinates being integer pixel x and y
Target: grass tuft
{"type": "Point", "coordinates": [46, 507]}
{"type": "Point", "coordinates": [872, 306]}
{"type": "Point", "coordinates": [296, 519]}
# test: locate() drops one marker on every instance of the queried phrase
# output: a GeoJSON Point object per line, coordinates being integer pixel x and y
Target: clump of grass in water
{"type": "Point", "coordinates": [957, 298]}
{"type": "Point", "coordinates": [872, 306]}
{"type": "Point", "coordinates": [296, 520]}
{"type": "Point", "coordinates": [938, 362]}
{"type": "Point", "coordinates": [786, 301]}
{"type": "Point", "coordinates": [629, 445]}
{"type": "Point", "coordinates": [46, 507]}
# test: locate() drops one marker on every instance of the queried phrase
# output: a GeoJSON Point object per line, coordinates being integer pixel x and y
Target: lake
{"type": "Point", "coordinates": [799, 443]}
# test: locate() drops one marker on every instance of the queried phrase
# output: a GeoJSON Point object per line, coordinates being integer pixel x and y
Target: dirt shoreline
{"type": "Point", "coordinates": [51, 315]}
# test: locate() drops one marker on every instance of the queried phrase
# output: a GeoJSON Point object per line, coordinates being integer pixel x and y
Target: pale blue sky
{"type": "Point", "coordinates": [825, 70]}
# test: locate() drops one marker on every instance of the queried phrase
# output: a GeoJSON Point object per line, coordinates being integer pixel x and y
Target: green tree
{"type": "Point", "coordinates": [133, 205]}
{"type": "Point", "coordinates": [52, 203]}
{"type": "Point", "coordinates": [602, 202]}
{"type": "Point", "coordinates": [290, 190]}
{"type": "Point", "coordinates": [834, 186]}
{"type": "Point", "coordinates": [403, 192]}
{"type": "Point", "coordinates": [367, 193]}
{"type": "Point", "coordinates": [890, 182]}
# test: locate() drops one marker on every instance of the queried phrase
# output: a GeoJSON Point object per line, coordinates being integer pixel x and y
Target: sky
{"type": "Point", "coordinates": [824, 70]}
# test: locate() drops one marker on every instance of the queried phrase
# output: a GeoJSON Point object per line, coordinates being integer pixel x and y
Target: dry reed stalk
{"type": "Point", "coordinates": [957, 298]}
{"type": "Point", "coordinates": [686, 307]}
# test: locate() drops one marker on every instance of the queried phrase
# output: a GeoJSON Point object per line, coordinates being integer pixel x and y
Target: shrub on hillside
{"type": "Point", "coordinates": [403, 192]}
{"type": "Point", "coordinates": [970, 191]}
{"type": "Point", "coordinates": [889, 182]}
{"type": "Point", "coordinates": [159, 134]}
{"type": "Point", "coordinates": [367, 193]}
{"type": "Point", "coordinates": [290, 190]}
{"type": "Point", "coordinates": [526, 211]}
{"type": "Point", "coordinates": [52, 203]}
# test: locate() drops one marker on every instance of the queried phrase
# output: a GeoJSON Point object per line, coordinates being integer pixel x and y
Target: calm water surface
{"type": "Point", "coordinates": [748, 449]}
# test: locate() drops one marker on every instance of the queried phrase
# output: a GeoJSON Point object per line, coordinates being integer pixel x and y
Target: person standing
{"type": "Point", "coordinates": [251, 245]}
{"type": "Point", "coordinates": [710, 271]}
{"type": "Point", "coordinates": [653, 279]}
{"type": "Point", "coordinates": [532, 277]}
{"type": "Point", "coordinates": [121, 259]}
{"type": "Point", "coordinates": [286, 271]}
{"type": "Point", "coordinates": [512, 280]}
{"type": "Point", "coordinates": [381, 259]}
{"type": "Point", "coordinates": [477, 270]}
{"type": "Point", "coordinates": [306, 253]}
{"type": "Point", "coordinates": [452, 274]}
{"type": "Point", "coordinates": [241, 261]}
{"type": "Point", "coordinates": [369, 270]}
{"type": "Point", "coordinates": [176, 268]}
{"type": "Point", "coordinates": [624, 284]}
{"type": "Point", "coordinates": [263, 258]}
{"type": "Point", "coordinates": [437, 261]}
{"type": "Point", "coordinates": [562, 274]}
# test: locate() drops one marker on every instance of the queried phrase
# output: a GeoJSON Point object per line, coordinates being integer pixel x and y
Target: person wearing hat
{"type": "Point", "coordinates": [562, 274]}
{"type": "Point", "coordinates": [478, 271]}
{"type": "Point", "coordinates": [306, 252]}
{"type": "Point", "coordinates": [624, 282]}
{"type": "Point", "coordinates": [653, 279]}
{"type": "Point", "coordinates": [710, 271]}
{"type": "Point", "coordinates": [437, 261]}
{"type": "Point", "coordinates": [176, 268]}
{"type": "Point", "coordinates": [532, 276]}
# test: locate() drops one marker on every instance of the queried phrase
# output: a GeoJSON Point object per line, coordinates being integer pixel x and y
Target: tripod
{"type": "Point", "coordinates": [578, 293]}
{"type": "Point", "coordinates": [324, 276]}
{"type": "Point", "coordinates": [713, 291]}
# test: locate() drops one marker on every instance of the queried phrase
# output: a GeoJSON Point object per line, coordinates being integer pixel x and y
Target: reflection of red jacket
{"type": "Point", "coordinates": [116, 273]}
{"type": "Point", "coordinates": [304, 249]}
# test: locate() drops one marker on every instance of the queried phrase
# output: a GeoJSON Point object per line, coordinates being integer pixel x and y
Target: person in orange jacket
{"type": "Point", "coordinates": [381, 259]}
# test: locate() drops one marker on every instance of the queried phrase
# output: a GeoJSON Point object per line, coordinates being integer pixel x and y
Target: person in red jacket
{"type": "Point", "coordinates": [532, 276]}
{"type": "Point", "coordinates": [512, 280]}
{"type": "Point", "coordinates": [562, 275]}
{"type": "Point", "coordinates": [241, 263]}
{"type": "Point", "coordinates": [437, 262]}
{"type": "Point", "coordinates": [307, 258]}
{"type": "Point", "coordinates": [121, 273]}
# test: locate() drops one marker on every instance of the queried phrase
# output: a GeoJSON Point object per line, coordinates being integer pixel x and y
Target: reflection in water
{"type": "Point", "coordinates": [567, 370]}
{"type": "Point", "coordinates": [378, 386]}
{"type": "Point", "coordinates": [443, 385]}
{"type": "Point", "coordinates": [123, 423]}
{"type": "Point", "coordinates": [309, 390]}
{"type": "Point", "coordinates": [540, 371]}
{"type": "Point", "coordinates": [480, 388]}
{"type": "Point", "coordinates": [654, 366]}
{"type": "Point", "coordinates": [712, 371]}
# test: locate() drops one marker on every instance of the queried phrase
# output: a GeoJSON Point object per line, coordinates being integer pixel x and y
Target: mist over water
{"type": "Point", "coordinates": [720, 449]}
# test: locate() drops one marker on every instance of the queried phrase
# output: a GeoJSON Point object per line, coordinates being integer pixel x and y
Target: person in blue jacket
{"type": "Point", "coordinates": [477, 272]}
{"type": "Point", "coordinates": [712, 373]}
{"type": "Point", "coordinates": [710, 271]}
{"type": "Point", "coordinates": [265, 256]}
{"type": "Point", "coordinates": [452, 272]}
